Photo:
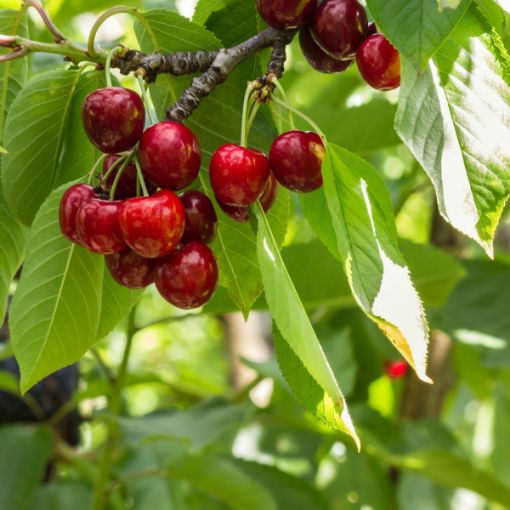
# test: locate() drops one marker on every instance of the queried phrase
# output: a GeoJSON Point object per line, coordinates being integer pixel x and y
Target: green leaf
{"type": "Point", "coordinates": [205, 8]}
{"type": "Point", "coordinates": [454, 118]}
{"type": "Point", "coordinates": [417, 28]}
{"type": "Point", "coordinates": [63, 495]}
{"type": "Point", "coordinates": [25, 452]}
{"type": "Point", "coordinates": [55, 311]}
{"type": "Point", "coordinates": [361, 229]}
{"type": "Point", "coordinates": [294, 325]}
{"type": "Point", "coordinates": [35, 131]}
{"type": "Point", "coordinates": [12, 252]}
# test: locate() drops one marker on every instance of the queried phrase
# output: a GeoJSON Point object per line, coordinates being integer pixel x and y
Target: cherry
{"type": "Point", "coordinates": [237, 213]}
{"type": "Point", "coordinates": [152, 226]}
{"type": "Point", "coordinates": [69, 205]}
{"type": "Point", "coordinates": [188, 278]}
{"type": "Point", "coordinates": [126, 187]}
{"type": "Point", "coordinates": [130, 270]}
{"type": "Point", "coordinates": [317, 57]}
{"type": "Point", "coordinates": [339, 27]}
{"type": "Point", "coordinates": [286, 13]}
{"type": "Point", "coordinates": [170, 155]}
{"type": "Point", "coordinates": [379, 63]}
{"type": "Point", "coordinates": [269, 196]}
{"type": "Point", "coordinates": [201, 220]}
{"type": "Point", "coordinates": [372, 29]}
{"type": "Point", "coordinates": [396, 369]}
{"type": "Point", "coordinates": [296, 160]}
{"type": "Point", "coordinates": [114, 119]}
{"type": "Point", "coordinates": [97, 225]}
{"type": "Point", "coordinates": [238, 175]}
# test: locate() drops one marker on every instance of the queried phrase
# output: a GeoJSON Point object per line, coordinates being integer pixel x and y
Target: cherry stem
{"type": "Point", "coordinates": [253, 114]}
{"type": "Point", "coordinates": [93, 172]}
{"type": "Point", "coordinates": [147, 99]}
{"type": "Point", "coordinates": [100, 20]}
{"type": "Point", "coordinates": [141, 179]}
{"type": "Point", "coordinates": [112, 169]}
{"type": "Point", "coordinates": [115, 184]}
{"type": "Point", "coordinates": [307, 119]}
{"type": "Point", "coordinates": [244, 118]}
{"type": "Point", "coordinates": [280, 89]}
{"type": "Point", "coordinates": [108, 66]}
{"type": "Point", "coordinates": [55, 32]}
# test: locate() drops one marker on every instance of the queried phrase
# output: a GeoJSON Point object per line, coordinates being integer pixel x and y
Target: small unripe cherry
{"type": "Point", "coordinates": [200, 217]}
{"type": "Point", "coordinates": [188, 278]}
{"type": "Point", "coordinates": [285, 14]}
{"type": "Point", "coordinates": [379, 63]}
{"type": "Point", "coordinates": [114, 119]}
{"type": "Point", "coordinates": [296, 160]}
{"type": "Point", "coordinates": [69, 205]}
{"type": "Point", "coordinates": [130, 269]}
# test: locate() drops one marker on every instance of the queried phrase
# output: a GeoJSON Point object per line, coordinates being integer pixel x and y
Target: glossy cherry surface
{"type": "Point", "coordinates": [238, 175]}
{"type": "Point", "coordinates": [130, 269]}
{"type": "Point", "coordinates": [170, 155]}
{"type": "Point", "coordinates": [97, 224]}
{"type": "Point", "coordinates": [339, 27]}
{"type": "Point", "coordinates": [317, 57]}
{"type": "Point", "coordinates": [240, 214]}
{"type": "Point", "coordinates": [69, 205]}
{"type": "Point", "coordinates": [114, 119]}
{"type": "Point", "coordinates": [379, 63]}
{"type": "Point", "coordinates": [201, 220]}
{"type": "Point", "coordinates": [296, 160]}
{"type": "Point", "coordinates": [286, 13]}
{"type": "Point", "coordinates": [188, 278]}
{"type": "Point", "coordinates": [152, 226]}
{"type": "Point", "coordinates": [270, 193]}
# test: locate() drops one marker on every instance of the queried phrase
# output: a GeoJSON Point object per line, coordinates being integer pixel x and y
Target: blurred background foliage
{"type": "Point", "coordinates": [208, 420]}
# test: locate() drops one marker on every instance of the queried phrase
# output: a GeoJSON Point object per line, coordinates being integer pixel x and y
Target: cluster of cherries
{"type": "Point", "coordinates": [334, 34]}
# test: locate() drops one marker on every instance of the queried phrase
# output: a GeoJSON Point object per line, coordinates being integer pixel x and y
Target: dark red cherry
{"type": "Point", "coordinates": [270, 193]}
{"type": "Point", "coordinates": [317, 57]}
{"type": "Point", "coordinates": [114, 119]}
{"type": "Point", "coordinates": [126, 187]}
{"type": "Point", "coordinates": [201, 220]}
{"type": "Point", "coordinates": [379, 63]}
{"type": "Point", "coordinates": [238, 175]}
{"type": "Point", "coordinates": [130, 270]}
{"type": "Point", "coordinates": [237, 213]}
{"type": "Point", "coordinates": [188, 278]}
{"type": "Point", "coordinates": [296, 160]}
{"type": "Point", "coordinates": [339, 27]}
{"type": "Point", "coordinates": [396, 369]}
{"type": "Point", "coordinates": [152, 226]}
{"type": "Point", "coordinates": [97, 225]}
{"type": "Point", "coordinates": [372, 29]}
{"type": "Point", "coordinates": [286, 13]}
{"type": "Point", "coordinates": [170, 155]}
{"type": "Point", "coordinates": [69, 205]}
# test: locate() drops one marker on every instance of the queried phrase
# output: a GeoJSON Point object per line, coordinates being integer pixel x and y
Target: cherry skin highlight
{"type": "Point", "coordinates": [201, 220]}
{"type": "Point", "coordinates": [188, 278]}
{"type": "Point", "coordinates": [379, 63]}
{"type": "Point", "coordinates": [317, 57]}
{"type": "Point", "coordinates": [69, 205]}
{"type": "Point", "coordinates": [114, 119]}
{"type": "Point", "coordinates": [284, 14]}
{"type": "Point", "coordinates": [339, 27]}
{"type": "Point", "coordinates": [238, 175]}
{"type": "Point", "coordinates": [270, 193]}
{"type": "Point", "coordinates": [152, 226]}
{"type": "Point", "coordinates": [97, 224]}
{"type": "Point", "coordinates": [130, 270]}
{"type": "Point", "coordinates": [296, 160]}
{"type": "Point", "coordinates": [170, 155]}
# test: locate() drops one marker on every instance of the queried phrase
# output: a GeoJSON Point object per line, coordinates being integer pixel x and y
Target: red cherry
{"type": "Point", "coordinates": [152, 226]}
{"type": "Point", "coordinates": [286, 13]}
{"type": "Point", "coordinates": [396, 369]}
{"type": "Point", "coordinates": [97, 225]}
{"type": "Point", "coordinates": [126, 187]}
{"type": "Point", "coordinates": [238, 175]}
{"type": "Point", "coordinates": [201, 220]}
{"type": "Point", "coordinates": [296, 160]}
{"type": "Point", "coordinates": [270, 193]}
{"type": "Point", "coordinates": [339, 27]}
{"type": "Point", "coordinates": [130, 270]}
{"type": "Point", "coordinates": [114, 119]}
{"type": "Point", "coordinates": [170, 155]}
{"type": "Point", "coordinates": [317, 57]}
{"type": "Point", "coordinates": [69, 205]}
{"type": "Point", "coordinates": [379, 63]}
{"type": "Point", "coordinates": [237, 213]}
{"type": "Point", "coordinates": [188, 278]}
